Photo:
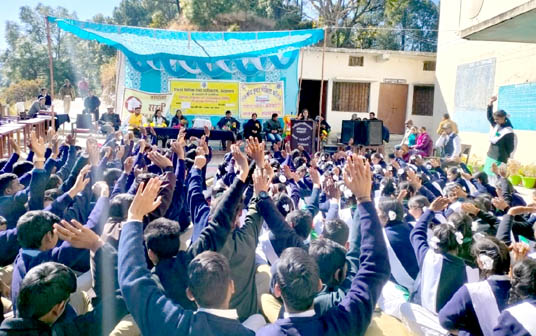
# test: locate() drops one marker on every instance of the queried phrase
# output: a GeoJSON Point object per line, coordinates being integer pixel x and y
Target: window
{"type": "Point", "coordinates": [423, 100]}
{"type": "Point", "coordinates": [428, 66]}
{"type": "Point", "coordinates": [350, 97]}
{"type": "Point", "coordinates": [356, 61]}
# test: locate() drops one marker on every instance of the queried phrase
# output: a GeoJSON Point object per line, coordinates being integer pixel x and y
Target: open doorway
{"type": "Point", "coordinates": [310, 97]}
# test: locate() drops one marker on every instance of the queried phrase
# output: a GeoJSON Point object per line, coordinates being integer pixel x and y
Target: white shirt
{"type": "Point", "coordinates": [307, 313]}
{"type": "Point", "coordinates": [225, 313]}
{"type": "Point", "coordinates": [442, 141]}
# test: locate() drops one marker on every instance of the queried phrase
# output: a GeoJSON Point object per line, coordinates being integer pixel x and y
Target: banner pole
{"type": "Point", "coordinates": [321, 88]}
{"type": "Point", "coordinates": [51, 67]}
{"type": "Point", "coordinates": [302, 56]}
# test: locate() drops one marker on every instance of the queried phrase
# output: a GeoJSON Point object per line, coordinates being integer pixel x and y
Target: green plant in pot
{"type": "Point", "coordinates": [529, 175]}
{"type": "Point", "coordinates": [514, 167]}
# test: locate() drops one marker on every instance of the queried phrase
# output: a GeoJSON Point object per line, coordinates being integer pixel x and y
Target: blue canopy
{"type": "Point", "coordinates": [145, 44]}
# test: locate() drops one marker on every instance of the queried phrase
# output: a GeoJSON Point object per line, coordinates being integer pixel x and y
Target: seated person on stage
{"type": "Point", "coordinates": [228, 123]}
{"type": "Point", "coordinates": [48, 99]}
{"type": "Point", "coordinates": [253, 128]}
{"type": "Point", "coordinates": [425, 144]}
{"type": "Point", "coordinates": [109, 121]}
{"type": "Point", "coordinates": [372, 116]}
{"type": "Point", "coordinates": [158, 120]}
{"type": "Point", "coordinates": [92, 104]}
{"type": "Point", "coordinates": [450, 144]}
{"type": "Point", "coordinates": [273, 129]}
{"type": "Point", "coordinates": [37, 106]}
{"type": "Point", "coordinates": [135, 122]}
{"type": "Point", "coordinates": [179, 120]}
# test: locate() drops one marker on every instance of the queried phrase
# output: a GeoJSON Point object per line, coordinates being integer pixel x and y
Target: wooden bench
{"type": "Point", "coordinates": [10, 131]}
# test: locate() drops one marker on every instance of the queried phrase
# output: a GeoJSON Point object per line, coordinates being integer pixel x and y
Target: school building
{"type": "Point", "coordinates": [396, 85]}
{"type": "Point", "coordinates": [486, 48]}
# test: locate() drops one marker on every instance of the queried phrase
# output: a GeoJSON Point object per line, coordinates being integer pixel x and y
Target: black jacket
{"type": "Point", "coordinates": [502, 149]}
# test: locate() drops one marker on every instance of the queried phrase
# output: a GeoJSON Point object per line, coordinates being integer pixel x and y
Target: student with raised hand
{"type": "Point", "coordinates": [298, 281]}
{"type": "Point", "coordinates": [209, 278]}
{"type": "Point", "coordinates": [475, 307]}
{"type": "Point", "coordinates": [442, 272]}
{"type": "Point", "coordinates": [518, 319]}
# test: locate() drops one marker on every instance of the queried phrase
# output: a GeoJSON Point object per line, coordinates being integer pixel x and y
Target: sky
{"type": "Point", "coordinates": [85, 9]}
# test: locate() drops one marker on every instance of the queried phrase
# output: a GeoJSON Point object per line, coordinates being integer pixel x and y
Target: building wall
{"type": "Point", "coordinates": [514, 65]}
{"type": "Point", "coordinates": [393, 65]}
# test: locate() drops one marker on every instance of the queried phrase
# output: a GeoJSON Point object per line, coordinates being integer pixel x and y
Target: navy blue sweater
{"type": "Point", "coordinates": [353, 315]}
{"type": "Point", "coordinates": [508, 325]}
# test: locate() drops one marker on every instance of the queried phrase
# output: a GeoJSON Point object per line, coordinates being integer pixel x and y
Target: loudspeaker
{"type": "Point", "coordinates": [364, 132]}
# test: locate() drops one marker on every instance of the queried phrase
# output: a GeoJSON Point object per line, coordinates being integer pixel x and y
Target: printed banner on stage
{"type": "Point", "coordinates": [204, 97]}
{"type": "Point", "coordinates": [148, 102]}
{"type": "Point", "coordinates": [264, 99]}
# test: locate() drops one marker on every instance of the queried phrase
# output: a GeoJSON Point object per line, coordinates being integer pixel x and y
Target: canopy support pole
{"type": "Point", "coordinates": [302, 56]}
{"type": "Point", "coordinates": [321, 89]}
{"type": "Point", "coordinates": [51, 67]}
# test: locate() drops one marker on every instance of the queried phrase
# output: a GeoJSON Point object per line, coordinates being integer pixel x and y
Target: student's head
{"type": "Point", "coordinates": [523, 280]}
{"type": "Point", "coordinates": [209, 281]}
{"type": "Point", "coordinates": [44, 292]}
{"type": "Point", "coordinates": [51, 195]}
{"type": "Point", "coordinates": [228, 114]}
{"type": "Point", "coordinates": [35, 230]}
{"type": "Point", "coordinates": [162, 239]}
{"type": "Point", "coordinates": [444, 239]}
{"type": "Point", "coordinates": [409, 124]}
{"type": "Point", "coordinates": [43, 91]}
{"type": "Point", "coordinates": [301, 221]}
{"type": "Point", "coordinates": [446, 116]}
{"type": "Point", "coordinates": [282, 201]}
{"type": "Point", "coordinates": [178, 113]}
{"type": "Point", "coordinates": [453, 173]}
{"type": "Point", "coordinates": [336, 230]}
{"type": "Point", "coordinates": [297, 279]}
{"type": "Point", "coordinates": [414, 129]}
{"type": "Point", "coordinates": [376, 158]}
{"type": "Point", "coordinates": [137, 110]}
{"type": "Point", "coordinates": [408, 187]}
{"type": "Point", "coordinates": [491, 255]}
{"type": "Point", "coordinates": [499, 117]}
{"type": "Point", "coordinates": [54, 181]}
{"type": "Point", "coordinates": [274, 116]}
{"type": "Point", "coordinates": [451, 191]}
{"type": "Point", "coordinates": [372, 115]}
{"type": "Point", "coordinates": [354, 116]}
{"type": "Point", "coordinates": [416, 206]}
{"type": "Point", "coordinates": [9, 184]}
{"type": "Point", "coordinates": [331, 260]}
{"type": "Point", "coordinates": [447, 128]}
{"type": "Point", "coordinates": [254, 116]}
{"type": "Point", "coordinates": [22, 167]}
{"type": "Point", "coordinates": [482, 177]}
{"type": "Point", "coordinates": [119, 207]}
{"type": "Point", "coordinates": [3, 223]}
{"type": "Point", "coordinates": [387, 187]}
{"type": "Point", "coordinates": [143, 178]}
{"type": "Point", "coordinates": [111, 175]}
{"type": "Point", "coordinates": [390, 211]}
{"type": "Point", "coordinates": [157, 113]}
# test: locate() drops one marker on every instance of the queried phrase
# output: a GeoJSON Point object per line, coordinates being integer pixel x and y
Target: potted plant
{"type": "Point", "coordinates": [529, 175]}
{"type": "Point", "coordinates": [475, 164]}
{"type": "Point", "coordinates": [513, 168]}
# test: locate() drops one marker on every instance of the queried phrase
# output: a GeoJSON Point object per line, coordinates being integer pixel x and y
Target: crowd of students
{"type": "Point", "coordinates": [126, 238]}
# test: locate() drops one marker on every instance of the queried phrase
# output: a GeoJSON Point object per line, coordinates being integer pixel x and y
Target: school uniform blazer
{"type": "Point", "coordinates": [152, 310]}
{"type": "Point", "coordinates": [398, 235]}
{"type": "Point", "coordinates": [9, 246]}
{"type": "Point", "coordinates": [453, 270]}
{"type": "Point", "coordinates": [518, 320]}
{"type": "Point", "coordinates": [459, 312]}
{"type": "Point", "coordinates": [173, 272]}
{"type": "Point", "coordinates": [13, 207]}
{"type": "Point", "coordinates": [353, 314]}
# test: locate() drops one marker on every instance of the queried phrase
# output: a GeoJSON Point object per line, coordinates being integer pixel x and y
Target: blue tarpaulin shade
{"type": "Point", "coordinates": [145, 44]}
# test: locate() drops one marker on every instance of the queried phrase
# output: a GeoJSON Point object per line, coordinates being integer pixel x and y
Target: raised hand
{"type": "Point", "coordinates": [128, 165]}
{"type": "Point", "coordinates": [242, 161]}
{"type": "Point", "coordinates": [101, 189]}
{"type": "Point", "coordinates": [470, 208]}
{"type": "Point", "coordinates": [499, 203]}
{"type": "Point", "coordinates": [414, 179]}
{"type": "Point", "coordinates": [200, 161]}
{"type": "Point", "coordinates": [357, 177]}
{"type": "Point", "coordinates": [14, 146]}
{"type": "Point", "coordinates": [78, 235]}
{"type": "Point", "coordinates": [160, 160]}
{"type": "Point", "coordinates": [255, 150]}
{"type": "Point", "coordinates": [261, 182]}
{"type": "Point", "coordinates": [37, 145]}
{"type": "Point", "coordinates": [519, 251]}
{"type": "Point", "coordinates": [207, 131]}
{"type": "Point", "coordinates": [492, 100]}
{"type": "Point", "coordinates": [81, 181]}
{"type": "Point", "coordinates": [146, 200]}
{"type": "Point", "coordinates": [71, 139]}
{"type": "Point", "coordinates": [315, 176]}
{"type": "Point", "coordinates": [439, 204]}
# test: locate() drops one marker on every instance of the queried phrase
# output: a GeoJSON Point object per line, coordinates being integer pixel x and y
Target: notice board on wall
{"type": "Point", "coordinates": [519, 101]}
{"type": "Point", "coordinates": [474, 87]}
